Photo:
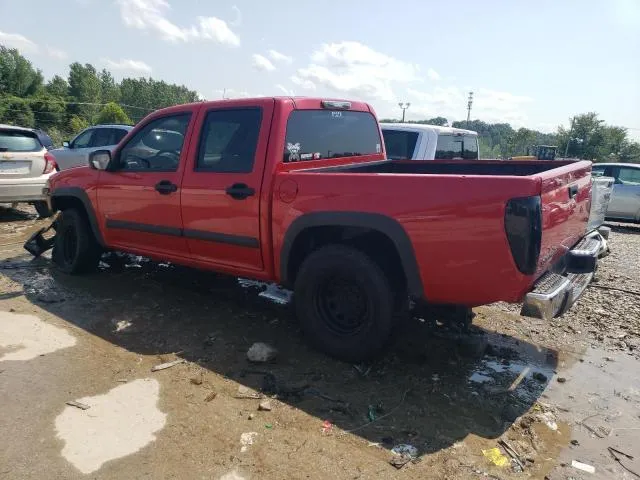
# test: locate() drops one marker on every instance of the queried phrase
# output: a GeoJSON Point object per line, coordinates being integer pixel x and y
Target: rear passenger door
{"type": "Point", "coordinates": [222, 187]}
{"type": "Point", "coordinates": [625, 199]}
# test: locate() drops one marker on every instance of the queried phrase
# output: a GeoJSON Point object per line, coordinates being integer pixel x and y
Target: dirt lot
{"type": "Point", "coordinates": [555, 392]}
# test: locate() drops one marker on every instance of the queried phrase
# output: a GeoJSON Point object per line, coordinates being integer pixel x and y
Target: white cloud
{"type": "Point", "coordinates": [127, 65]}
{"type": "Point", "coordinates": [306, 84]}
{"type": "Point", "coordinates": [356, 70]}
{"type": "Point", "coordinates": [262, 63]}
{"type": "Point", "coordinates": [150, 15]}
{"type": "Point", "coordinates": [56, 53]}
{"type": "Point", "coordinates": [228, 93]}
{"type": "Point", "coordinates": [432, 74]}
{"type": "Point", "coordinates": [280, 57]}
{"type": "Point", "coordinates": [15, 40]}
{"type": "Point", "coordinates": [285, 90]}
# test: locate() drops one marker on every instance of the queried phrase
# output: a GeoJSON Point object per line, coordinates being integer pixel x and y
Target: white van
{"type": "Point", "coordinates": [415, 141]}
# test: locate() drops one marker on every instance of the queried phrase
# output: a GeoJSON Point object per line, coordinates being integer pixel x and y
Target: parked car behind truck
{"type": "Point", "coordinates": [299, 192]}
{"type": "Point", "coordinates": [624, 204]}
{"type": "Point", "coordinates": [416, 141]}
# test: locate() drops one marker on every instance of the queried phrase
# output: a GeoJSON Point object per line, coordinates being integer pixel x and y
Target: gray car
{"type": "Point", "coordinates": [99, 137]}
{"type": "Point", "coordinates": [625, 198]}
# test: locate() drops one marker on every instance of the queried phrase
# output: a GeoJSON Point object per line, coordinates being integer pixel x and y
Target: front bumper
{"type": "Point", "coordinates": [554, 293]}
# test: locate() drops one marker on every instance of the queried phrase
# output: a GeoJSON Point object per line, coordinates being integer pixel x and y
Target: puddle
{"type": "Point", "coordinates": [25, 337]}
{"type": "Point", "coordinates": [116, 424]}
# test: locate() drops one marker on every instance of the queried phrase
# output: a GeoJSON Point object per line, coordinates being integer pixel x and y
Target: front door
{"type": "Point", "coordinates": [222, 186]}
{"type": "Point", "coordinates": [139, 195]}
{"type": "Point", "coordinates": [625, 198]}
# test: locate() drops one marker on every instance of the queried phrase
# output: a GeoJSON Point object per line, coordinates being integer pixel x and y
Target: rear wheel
{"type": "Point", "coordinates": [75, 249]}
{"type": "Point", "coordinates": [344, 303]}
{"type": "Point", "coordinates": [42, 209]}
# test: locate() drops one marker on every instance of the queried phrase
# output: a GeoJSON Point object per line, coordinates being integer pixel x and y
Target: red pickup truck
{"type": "Point", "coordinates": [298, 191]}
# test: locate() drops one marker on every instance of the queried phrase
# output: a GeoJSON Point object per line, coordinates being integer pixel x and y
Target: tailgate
{"type": "Point", "coordinates": [566, 202]}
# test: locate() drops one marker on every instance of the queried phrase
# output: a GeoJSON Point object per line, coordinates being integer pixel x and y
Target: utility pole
{"type": "Point", "coordinates": [224, 94]}
{"type": "Point", "coordinates": [404, 106]}
{"type": "Point", "coordinates": [566, 150]}
{"type": "Point", "coordinates": [469, 104]}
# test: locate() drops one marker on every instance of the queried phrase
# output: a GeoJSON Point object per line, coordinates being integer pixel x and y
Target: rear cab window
{"type": "Point", "coordinates": [399, 144]}
{"type": "Point", "coordinates": [457, 146]}
{"type": "Point", "coordinates": [325, 134]}
{"type": "Point", "coordinates": [19, 141]}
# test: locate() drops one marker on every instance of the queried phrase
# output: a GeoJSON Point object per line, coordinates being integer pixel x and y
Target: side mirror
{"type": "Point", "coordinates": [66, 144]}
{"type": "Point", "coordinates": [99, 160]}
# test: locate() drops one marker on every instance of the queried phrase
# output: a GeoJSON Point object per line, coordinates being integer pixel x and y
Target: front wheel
{"type": "Point", "coordinates": [344, 303]}
{"type": "Point", "coordinates": [75, 249]}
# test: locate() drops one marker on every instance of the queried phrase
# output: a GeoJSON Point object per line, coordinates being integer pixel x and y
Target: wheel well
{"type": "Point", "coordinates": [378, 246]}
{"type": "Point", "coordinates": [66, 203]}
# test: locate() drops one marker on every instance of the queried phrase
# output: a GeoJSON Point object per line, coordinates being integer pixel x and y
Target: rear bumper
{"type": "Point", "coordinates": [23, 190]}
{"type": "Point", "coordinates": [554, 293]}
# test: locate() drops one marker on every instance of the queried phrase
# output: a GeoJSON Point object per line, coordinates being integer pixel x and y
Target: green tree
{"type": "Point", "coordinates": [112, 113]}
{"type": "Point", "coordinates": [85, 88]}
{"type": "Point", "coordinates": [76, 124]}
{"type": "Point", "coordinates": [17, 75]}
{"type": "Point", "coordinates": [109, 89]}
{"type": "Point", "coordinates": [16, 111]}
{"type": "Point", "coordinates": [49, 111]}
{"type": "Point", "coordinates": [57, 87]}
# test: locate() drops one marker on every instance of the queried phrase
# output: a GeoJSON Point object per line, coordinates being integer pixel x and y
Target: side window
{"type": "Point", "coordinates": [157, 146]}
{"type": "Point", "coordinates": [83, 140]}
{"type": "Point", "coordinates": [449, 147]}
{"type": "Point", "coordinates": [629, 176]}
{"type": "Point", "coordinates": [399, 144]}
{"type": "Point", "coordinates": [118, 134]}
{"type": "Point", "coordinates": [597, 171]}
{"type": "Point", "coordinates": [101, 137]}
{"type": "Point", "coordinates": [229, 140]}
{"type": "Point", "coordinates": [470, 147]}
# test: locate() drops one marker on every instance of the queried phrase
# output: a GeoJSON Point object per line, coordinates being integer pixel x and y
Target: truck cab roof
{"type": "Point", "coordinates": [421, 127]}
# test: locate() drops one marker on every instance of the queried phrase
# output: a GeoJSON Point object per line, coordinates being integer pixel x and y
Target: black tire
{"type": "Point", "coordinates": [344, 303]}
{"type": "Point", "coordinates": [75, 249]}
{"type": "Point", "coordinates": [42, 209]}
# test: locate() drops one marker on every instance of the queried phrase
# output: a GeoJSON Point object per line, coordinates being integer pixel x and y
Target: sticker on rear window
{"type": "Point", "coordinates": [294, 152]}
{"type": "Point", "coordinates": [378, 149]}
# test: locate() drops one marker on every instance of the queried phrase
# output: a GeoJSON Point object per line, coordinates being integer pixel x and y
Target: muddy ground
{"type": "Point", "coordinates": [556, 392]}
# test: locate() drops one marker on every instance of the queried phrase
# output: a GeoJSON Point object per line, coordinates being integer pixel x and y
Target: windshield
{"type": "Point", "coordinates": [19, 141]}
{"type": "Point", "coordinates": [318, 134]}
{"type": "Point", "coordinates": [457, 146]}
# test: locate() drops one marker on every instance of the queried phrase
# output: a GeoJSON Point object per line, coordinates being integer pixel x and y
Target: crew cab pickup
{"type": "Point", "coordinates": [298, 191]}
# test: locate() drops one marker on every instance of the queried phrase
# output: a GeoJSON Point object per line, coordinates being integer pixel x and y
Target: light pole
{"type": "Point", "coordinates": [566, 150]}
{"type": "Point", "coordinates": [469, 104]}
{"type": "Point", "coordinates": [404, 106]}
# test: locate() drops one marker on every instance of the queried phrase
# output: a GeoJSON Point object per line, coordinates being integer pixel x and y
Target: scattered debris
{"type": "Point", "coordinates": [198, 379]}
{"type": "Point", "coordinates": [562, 380]}
{"type": "Point", "coordinates": [164, 366]}
{"type": "Point", "coordinates": [495, 456]}
{"type": "Point", "coordinates": [400, 461]}
{"type": "Point", "coordinates": [585, 467]}
{"type": "Point", "coordinates": [264, 406]}
{"type": "Point", "coordinates": [81, 406]}
{"type": "Point", "coordinates": [405, 449]}
{"type": "Point", "coordinates": [371, 413]}
{"type": "Point", "coordinates": [248, 393]}
{"type": "Point", "coordinates": [540, 377]}
{"type": "Point", "coordinates": [363, 369]}
{"type": "Point", "coordinates": [327, 426]}
{"type": "Point", "coordinates": [261, 353]}
{"type": "Point", "coordinates": [247, 439]}
{"type": "Point", "coordinates": [549, 419]}
{"type": "Point", "coordinates": [615, 452]}
{"type": "Point", "coordinates": [251, 416]}
{"type": "Point", "coordinates": [268, 426]}
{"type": "Point", "coordinates": [210, 397]}
{"type": "Point", "coordinates": [591, 429]}
{"type": "Point", "coordinates": [512, 453]}
{"type": "Point", "coordinates": [575, 442]}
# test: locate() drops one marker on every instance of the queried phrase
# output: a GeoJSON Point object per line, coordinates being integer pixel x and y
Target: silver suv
{"type": "Point", "coordinates": [99, 137]}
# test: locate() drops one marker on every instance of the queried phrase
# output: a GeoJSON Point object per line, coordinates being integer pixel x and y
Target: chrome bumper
{"type": "Point", "coordinates": [553, 294]}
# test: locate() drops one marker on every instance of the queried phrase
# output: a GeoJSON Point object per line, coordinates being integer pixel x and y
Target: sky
{"type": "Point", "coordinates": [531, 64]}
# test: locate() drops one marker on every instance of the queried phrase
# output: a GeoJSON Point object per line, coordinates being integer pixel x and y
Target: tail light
{"type": "Point", "coordinates": [523, 224]}
{"type": "Point", "coordinates": [50, 164]}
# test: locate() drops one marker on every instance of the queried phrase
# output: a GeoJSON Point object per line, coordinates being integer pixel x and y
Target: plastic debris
{"type": "Point", "coordinates": [210, 397]}
{"type": "Point", "coordinates": [261, 353]}
{"type": "Point", "coordinates": [495, 456]}
{"type": "Point", "coordinates": [246, 392]}
{"type": "Point", "coordinates": [371, 413]}
{"type": "Point", "coordinates": [405, 449]}
{"type": "Point", "coordinates": [164, 366]}
{"type": "Point", "coordinates": [585, 467]}
{"type": "Point", "coordinates": [327, 426]}
{"type": "Point", "coordinates": [549, 420]}
{"type": "Point", "coordinates": [247, 439]}
{"type": "Point", "coordinates": [268, 425]}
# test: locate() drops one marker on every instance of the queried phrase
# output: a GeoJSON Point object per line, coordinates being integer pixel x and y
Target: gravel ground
{"type": "Point", "coordinates": [453, 397]}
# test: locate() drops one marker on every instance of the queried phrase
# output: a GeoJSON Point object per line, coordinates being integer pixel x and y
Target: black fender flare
{"type": "Point", "coordinates": [79, 194]}
{"type": "Point", "coordinates": [374, 221]}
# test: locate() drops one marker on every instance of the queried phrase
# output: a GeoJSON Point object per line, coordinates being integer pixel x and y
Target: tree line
{"type": "Point", "coordinates": [64, 106]}
{"type": "Point", "coordinates": [588, 138]}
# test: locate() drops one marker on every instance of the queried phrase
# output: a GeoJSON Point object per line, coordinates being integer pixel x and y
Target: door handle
{"type": "Point", "coordinates": [573, 191]}
{"type": "Point", "coordinates": [240, 191]}
{"type": "Point", "coordinates": [165, 187]}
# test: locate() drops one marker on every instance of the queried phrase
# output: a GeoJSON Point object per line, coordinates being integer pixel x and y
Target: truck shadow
{"type": "Point", "coordinates": [433, 387]}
